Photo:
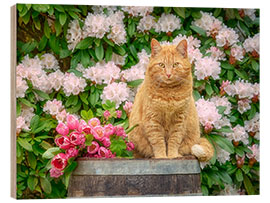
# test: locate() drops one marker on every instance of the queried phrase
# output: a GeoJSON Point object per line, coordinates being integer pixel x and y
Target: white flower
{"type": "Point", "coordinates": [205, 67]}
{"type": "Point", "coordinates": [118, 34]}
{"type": "Point", "coordinates": [237, 52]}
{"type": "Point", "coordinates": [27, 113]}
{"type": "Point", "coordinates": [53, 107]}
{"type": "Point", "coordinates": [226, 36]}
{"type": "Point", "coordinates": [96, 26]}
{"type": "Point", "coordinates": [252, 43]}
{"type": "Point", "coordinates": [242, 89]}
{"type": "Point", "coordinates": [253, 125]}
{"type": "Point", "coordinates": [74, 34]}
{"type": "Point", "coordinates": [138, 10]}
{"type": "Point", "coordinates": [102, 72]}
{"type": "Point", "coordinates": [21, 87]}
{"type": "Point", "coordinates": [168, 23]}
{"type": "Point", "coordinates": [146, 23]}
{"type": "Point", "coordinates": [239, 134]}
{"type": "Point", "coordinates": [216, 53]}
{"type": "Point", "coordinates": [250, 13]}
{"type": "Point", "coordinates": [118, 59]}
{"type": "Point", "coordinates": [207, 112]}
{"type": "Point", "coordinates": [222, 101]}
{"type": "Point", "coordinates": [243, 105]}
{"type": "Point", "coordinates": [101, 9]}
{"type": "Point", "coordinates": [48, 61]}
{"type": "Point", "coordinates": [21, 124]}
{"type": "Point", "coordinates": [222, 155]}
{"type": "Point", "coordinates": [209, 23]}
{"type": "Point", "coordinates": [255, 152]}
{"type": "Point", "coordinates": [115, 92]}
{"type": "Point", "coordinates": [56, 79]}
{"type": "Point", "coordinates": [229, 190]}
{"type": "Point", "coordinates": [73, 84]}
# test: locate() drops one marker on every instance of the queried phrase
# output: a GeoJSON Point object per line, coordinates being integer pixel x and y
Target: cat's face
{"type": "Point", "coordinates": [169, 65]}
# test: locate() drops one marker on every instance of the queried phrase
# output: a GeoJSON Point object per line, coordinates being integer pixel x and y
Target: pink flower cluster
{"type": "Point", "coordinates": [73, 136]}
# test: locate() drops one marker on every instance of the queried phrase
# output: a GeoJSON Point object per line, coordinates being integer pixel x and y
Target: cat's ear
{"type": "Point", "coordinates": [155, 47]}
{"type": "Point", "coordinates": [182, 48]}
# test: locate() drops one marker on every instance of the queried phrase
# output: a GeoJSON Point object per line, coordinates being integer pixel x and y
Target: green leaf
{"type": "Point", "coordinates": [62, 18]}
{"type": "Point", "coordinates": [32, 182]}
{"type": "Point", "coordinates": [85, 58]}
{"type": "Point", "coordinates": [133, 51]}
{"type": "Point", "coordinates": [51, 152]}
{"type": "Point", "coordinates": [131, 29]}
{"type": "Point", "coordinates": [108, 54]}
{"type": "Point", "coordinates": [180, 12]}
{"type": "Point", "coordinates": [93, 98]}
{"type": "Point", "coordinates": [255, 65]}
{"type": "Point", "coordinates": [26, 18]}
{"type": "Point", "coordinates": [130, 129]}
{"type": "Point", "coordinates": [41, 7]}
{"type": "Point", "coordinates": [85, 43]}
{"type": "Point", "coordinates": [89, 139]}
{"type": "Point", "coordinates": [196, 95]}
{"type": "Point", "coordinates": [119, 50]}
{"type": "Point", "coordinates": [32, 160]}
{"type": "Point", "coordinates": [54, 44]}
{"type": "Point", "coordinates": [198, 30]}
{"type": "Point", "coordinates": [244, 28]}
{"type": "Point", "coordinates": [47, 29]}
{"type": "Point", "coordinates": [42, 94]}
{"type": "Point", "coordinates": [28, 47]}
{"type": "Point", "coordinates": [25, 144]}
{"type": "Point", "coordinates": [109, 42]}
{"type": "Point", "coordinates": [42, 43]}
{"type": "Point", "coordinates": [37, 23]}
{"type": "Point", "coordinates": [64, 53]}
{"type": "Point", "coordinates": [135, 83]}
{"type": "Point", "coordinates": [76, 72]}
{"type": "Point", "coordinates": [223, 143]}
{"type": "Point", "coordinates": [72, 100]}
{"type": "Point", "coordinates": [209, 89]}
{"type": "Point", "coordinates": [59, 8]}
{"type": "Point", "coordinates": [239, 175]}
{"type": "Point", "coordinates": [248, 185]}
{"type": "Point", "coordinates": [46, 185]}
{"type": "Point", "coordinates": [34, 122]}
{"type": "Point", "coordinates": [99, 51]}
{"type": "Point", "coordinates": [73, 15]}
{"type": "Point", "coordinates": [239, 152]}
{"type": "Point", "coordinates": [204, 190]}
{"type": "Point", "coordinates": [242, 74]}
{"type": "Point", "coordinates": [18, 109]}
{"type": "Point", "coordinates": [227, 66]}
{"type": "Point", "coordinates": [217, 12]}
{"type": "Point", "coordinates": [252, 112]}
{"type": "Point", "coordinates": [230, 75]}
{"type": "Point", "coordinates": [224, 129]}
{"type": "Point", "coordinates": [196, 14]}
{"type": "Point", "coordinates": [117, 146]}
{"type": "Point", "coordinates": [58, 28]}
{"type": "Point", "coordinates": [224, 176]}
{"type": "Point", "coordinates": [83, 97]}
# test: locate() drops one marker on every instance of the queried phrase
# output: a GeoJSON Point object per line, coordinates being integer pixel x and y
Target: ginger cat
{"type": "Point", "coordinates": [165, 110]}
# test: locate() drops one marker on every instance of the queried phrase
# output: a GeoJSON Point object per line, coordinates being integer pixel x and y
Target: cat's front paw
{"type": "Point", "coordinates": [198, 151]}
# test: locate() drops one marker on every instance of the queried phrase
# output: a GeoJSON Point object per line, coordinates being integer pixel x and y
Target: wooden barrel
{"type": "Point", "coordinates": [135, 177]}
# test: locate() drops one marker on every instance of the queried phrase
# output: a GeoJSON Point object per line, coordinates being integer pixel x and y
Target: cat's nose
{"type": "Point", "coordinates": [169, 75]}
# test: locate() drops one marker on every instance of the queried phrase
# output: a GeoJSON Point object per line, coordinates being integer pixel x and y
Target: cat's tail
{"type": "Point", "coordinates": [203, 150]}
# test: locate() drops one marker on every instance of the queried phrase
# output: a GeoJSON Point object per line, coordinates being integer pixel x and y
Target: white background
{"type": "Point", "coordinates": [264, 89]}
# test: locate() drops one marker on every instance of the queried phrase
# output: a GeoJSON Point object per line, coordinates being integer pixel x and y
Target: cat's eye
{"type": "Point", "coordinates": [176, 64]}
{"type": "Point", "coordinates": [162, 65]}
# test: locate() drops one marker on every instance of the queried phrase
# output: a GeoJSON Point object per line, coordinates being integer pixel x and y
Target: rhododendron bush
{"type": "Point", "coordinates": [78, 70]}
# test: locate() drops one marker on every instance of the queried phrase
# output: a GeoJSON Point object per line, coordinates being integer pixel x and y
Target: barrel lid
{"type": "Point", "coordinates": [123, 166]}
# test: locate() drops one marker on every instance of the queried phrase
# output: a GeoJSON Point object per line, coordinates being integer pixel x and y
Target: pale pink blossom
{"type": "Point", "coordinates": [74, 34]}
{"type": "Point", "coordinates": [206, 67]}
{"type": "Point", "coordinates": [62, 129]}
{"type": "Point", "coordinates": [216, 53]}
{"type": "Point", "coordinates": [55, 173]}
{"type": "Point", "coordinates": [255, 152]}
{"type": "Point", "coordinates": [99, 132]}
{"type": "Point", "coordinates": [72, 122]}
{"type": "Point", "coordinates": [73, 84]}
{"type": "Point", "coordinates": [237, 52]}
{"type": "Point", "coordinates": [138, 10]}
{"type": "Point", "coordinates": [106, 114]}
{"type": "Point", "coordinates": [61, 116]}
{"type": "Point", "coordinates": [21, 124]}
{"type": "Point", "coordinates": [108, 130]}
{"type": "Point", "coordinates": [239, 134]}
{"type": "Point", "coordinates": [146, 23]}
{"type": "Point", "coordinates": [226, 36]}
{"type": "Point", "coordinates": [252, 43]}
{"type": "Point", "coordinates": [21, 87]}
{"type": "Point", "coordinates": [48, 61]}
{"type": "Point", "coordinates": [53, 107]}
{"type": "Point", "coordinates": [168, 23]}
{"type": "Point", "coordinates": [243, 105]}
{"type": "Point", "coordinates": [118, 114]}
{"type": "Point", "coordinates": [128, 107]}
{"type": "Point", "coordinates": [94, 122]}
